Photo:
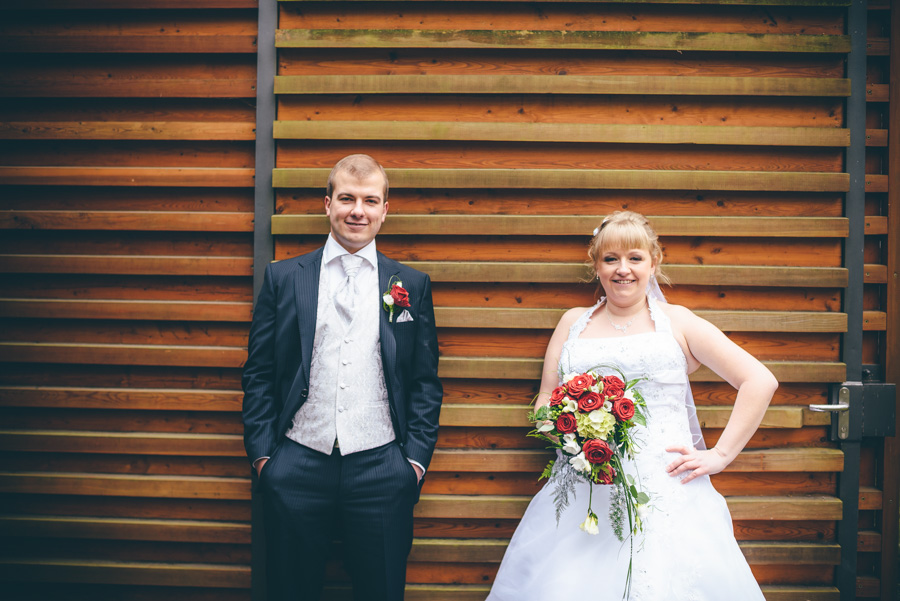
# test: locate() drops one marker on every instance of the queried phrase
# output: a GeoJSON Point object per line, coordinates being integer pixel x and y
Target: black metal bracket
{"type": "Point", "coordinates": [861, 409]}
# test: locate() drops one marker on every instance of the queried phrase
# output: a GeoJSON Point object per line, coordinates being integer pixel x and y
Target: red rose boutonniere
{"type": "Point", "coordinates": [395, 296]}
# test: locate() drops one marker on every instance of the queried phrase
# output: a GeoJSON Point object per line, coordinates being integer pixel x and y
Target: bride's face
{"type": "Point", "coordinates": [624, 274]}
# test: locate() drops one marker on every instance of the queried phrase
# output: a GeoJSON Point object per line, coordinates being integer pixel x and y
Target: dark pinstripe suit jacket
{"type": "Point", "coordinates": [276, 374]}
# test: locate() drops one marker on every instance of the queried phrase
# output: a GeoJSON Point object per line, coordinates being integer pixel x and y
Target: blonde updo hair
{"type": "Point", "coordinates": [626, 229]}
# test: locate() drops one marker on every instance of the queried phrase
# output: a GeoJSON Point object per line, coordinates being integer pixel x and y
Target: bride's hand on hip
{"type": "Point", "coordinates": [697, 463]}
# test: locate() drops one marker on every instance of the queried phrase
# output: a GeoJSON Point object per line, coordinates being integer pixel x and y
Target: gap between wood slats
{"type": "Point", "coordinates": [516, 416]}
{"type": "Point", "coordinates": [729, 321]}
{"type": "Point", "coordinates": [127, 264]}
{"type": "Point", "coordinates": [561, 132]}
{"type": "Point", "coordinates": [712, 275]}
{"type": "Point", "coordinates": [40, 42]}
{"type": "Point", "coordinates": [122, 354]}
{"type": "Point", "coordinates": [565, 84]}
{"type": "Point", "coordinates": [585, 179]}
{"type": "Point", "coordinates": [125, 572]}
{"type": "Point", "coordinates": [144, 221]}
{"type": "Point", "coordinates": [492, 550]}
{"type": "Point", "coordinates": [145, 4]}
{"type": "Point", "coordinates": [153, 399]}
{"type": "Point", "coordinates": [127, 130]}
{"type": "Point", "coordinates": [671, 41]}
{"type": "Point", "coordinates": [519, 369]}
{"type": "Point", "coordinates": [207, 177]}
{"type": "Point", "coordinates": [126, 485]}
{"type": "Point", "coordinates": [811, 459]}
{"type": "Point", "coordinates": [801, 507]}
{"type": "Point", "coordinates": [192, 531]}
{"type": "Point", "coordinates": [562, 225]}
{"type": "Point", "coordinates": [126, 309]}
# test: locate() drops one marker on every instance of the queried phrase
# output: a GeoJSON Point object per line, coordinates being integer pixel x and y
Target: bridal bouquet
{"type": "Point", "coordinates": [590, 420]}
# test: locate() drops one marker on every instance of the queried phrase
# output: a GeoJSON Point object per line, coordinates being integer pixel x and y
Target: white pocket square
{"type": "Point", "coordinates": [405, 316]}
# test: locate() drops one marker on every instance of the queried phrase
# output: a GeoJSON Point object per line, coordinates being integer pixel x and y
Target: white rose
{"type": "Point", "coordinates": [388, 299]}
{"type": "Point", "coordinates": [569, 405]}
{"type": "Point", "coordinates": [571, 445]}
{"type": "Point", "coordinates": [570, 375]}
{"type": "Point", "coordinates": [580, 463]}
{"type": "Point", "coordinates": [607, 406]}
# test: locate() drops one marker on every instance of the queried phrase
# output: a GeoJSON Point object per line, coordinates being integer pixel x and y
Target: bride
{"type": "Point", "coordinates": [687, 550]}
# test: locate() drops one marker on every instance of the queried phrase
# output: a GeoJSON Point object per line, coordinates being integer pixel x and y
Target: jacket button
{"type": "Point", "coordinates": [304, 393]}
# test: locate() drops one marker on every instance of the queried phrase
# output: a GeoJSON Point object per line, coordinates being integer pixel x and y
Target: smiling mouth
{"type": "Point", "coordinates": [624, 281]}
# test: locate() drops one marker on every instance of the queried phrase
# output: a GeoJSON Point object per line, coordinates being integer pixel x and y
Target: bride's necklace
{"type": "Point", "coordinates": [622, 328]}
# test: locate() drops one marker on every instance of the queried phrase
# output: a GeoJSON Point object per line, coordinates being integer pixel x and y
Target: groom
{"type": "Point", "coordinates": [341, 399]}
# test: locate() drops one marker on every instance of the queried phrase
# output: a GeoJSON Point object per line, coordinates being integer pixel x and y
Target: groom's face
{"type": "Point", "coordinates": [356, 209]}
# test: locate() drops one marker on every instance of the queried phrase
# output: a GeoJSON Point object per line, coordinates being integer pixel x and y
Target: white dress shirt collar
{"type": "Point", "coordinates": [333, 250]}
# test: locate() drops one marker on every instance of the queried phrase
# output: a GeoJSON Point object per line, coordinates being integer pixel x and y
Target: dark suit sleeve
{"type": "Point", "coordinates": [260, 409]}
{"type": "Point", "coordinates": [425, 392]}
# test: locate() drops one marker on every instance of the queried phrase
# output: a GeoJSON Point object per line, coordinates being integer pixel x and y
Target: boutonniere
{"type": "Point", "coordinates": [395, 296]}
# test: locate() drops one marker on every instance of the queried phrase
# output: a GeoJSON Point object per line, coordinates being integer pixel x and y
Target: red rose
{"type": "Point", "coordinates": [613, 387]}
{"type": "Point", "coordinates": [578, 384]}
{"type": "Point", "coordinates": [589, 402]}
{"type": "Point", "coordinates": [566, 424]}
{"type": "Point", "coordinates": [606, 477]}
{"type": "Point", "coordinates": [623, 409]}
{"type": "Point", "coordinates": [400, 296]}
{"type": "Point", "coordinates": [597, 451]}
{"type": "Point", "coordinates": [557, 396]}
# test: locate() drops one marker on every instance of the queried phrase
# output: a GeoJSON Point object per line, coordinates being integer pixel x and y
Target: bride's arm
{"type": "Point", "coordinates": [755, 385]}
{"type": "Point", "coordinates": [549, 374]}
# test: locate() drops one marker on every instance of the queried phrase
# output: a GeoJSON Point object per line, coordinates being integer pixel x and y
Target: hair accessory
{"type": "Point", "coordinates": [596, 230]}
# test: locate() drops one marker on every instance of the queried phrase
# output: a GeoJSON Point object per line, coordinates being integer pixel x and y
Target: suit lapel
{"type": "Point", "coordinates": [306, 293]}
{"type": "Point", "coordinates": [386, 271]}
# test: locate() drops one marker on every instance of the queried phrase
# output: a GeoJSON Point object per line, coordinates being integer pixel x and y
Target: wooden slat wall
{"type": "Point", "coordinates": [126, 204]}
{"type": "Point", "coordinates": [876, 567]}
{"type": "Point", "coordinates": [507, 142]}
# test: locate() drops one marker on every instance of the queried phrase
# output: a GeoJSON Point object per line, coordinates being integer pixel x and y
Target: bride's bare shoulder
{"type": "Point", "coordinates": [570, 316]}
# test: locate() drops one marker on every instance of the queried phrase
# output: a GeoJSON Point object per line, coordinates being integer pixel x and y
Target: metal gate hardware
{"type": "Point", "coordinates": [842, 407]}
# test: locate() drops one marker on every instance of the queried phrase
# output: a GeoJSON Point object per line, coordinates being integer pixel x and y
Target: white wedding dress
{"type": "Point", "coordinates": [687, 550]}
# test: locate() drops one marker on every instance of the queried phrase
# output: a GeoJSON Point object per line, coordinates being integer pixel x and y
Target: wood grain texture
{"type": "Point", "coordinates": [126, 176]}
{"type": "Point", "coordinates": [166, 221]}
{"type": "Point", "coordinates": [126, 130]}
{"type": "Point", "coordinates": [126, 309]}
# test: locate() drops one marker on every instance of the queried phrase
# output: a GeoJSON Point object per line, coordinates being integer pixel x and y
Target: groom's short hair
{"type": "Point", "coordinates": [359, 166]}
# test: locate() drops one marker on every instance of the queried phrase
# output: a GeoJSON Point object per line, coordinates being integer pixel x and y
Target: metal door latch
{"type": "Point", "coordinates": [843, 409]}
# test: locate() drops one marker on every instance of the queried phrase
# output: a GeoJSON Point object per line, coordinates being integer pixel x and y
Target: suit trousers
{"type": "Point", "coordinates": [365, 499]}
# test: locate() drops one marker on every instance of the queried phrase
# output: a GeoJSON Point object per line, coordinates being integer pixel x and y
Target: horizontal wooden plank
{"type": "Point", "coordinates": [125, 485]}
{"type": "Point", "coordinates": [532, 461]}
{"type": "Point", "coordinates": [125, 572]}
{"type": "Point", "coordinates": [127, 130]}
{"type": "Point", "coordinates": [613, 133]}
{"type": "Point", "coordinates": [874, 137]}
{"type": "Point", "coordinates": [564, 225]}
{"type": "Point", "coordinates": [126, 399]}
{"type": "Point", "coordinates": [96, 4]}
{"type": "Point", "coordinates": [166, 310]}
{"type": "Point", "coordinates": [806, 507]}
{"type": "Point", "coordinates": [729, 321]}
{"type": "Point", "coordinates": [175, 42]}
{"type": "Point", "coordinates": [128, 443]}
{"type": "Point", "coordinates": [868, 541]}
{"type": "Point", "coordinates": [122, 354]}
{"type": "Point", "coordinates": [519, 369]}
{"type": "Point", "coordinates": [568, 39]}
{"type": "Point", "coordinates": [144, 221]}
{"type": "Point", "coordinates": [875, 274]}
{"type": "Point", "coordinates": [870, 499]}
{"type": "Point", "coordinates": [777, 416]}
{"type": "Point", "coordinates": [491, 550]}
{"type": "Point", "coordinates": [192, 531]}
{"type": "Point", "coordinates": [478, 592]}
{"type": "Point", "coordinates": [704, 2]}
{"type": "Point", "coordinates": [876, 183]}
{"type": "Point", "coordinates": [586, 179]}
{"type": "Point", "coordinates": [214, 177]}
{"type": "Point", "coordinates": [712, 275]}
{"type": "Point", "coordinates": [562, 84]}
{"type": "Point", "coordinates": [91, 85]}
{"type": "Point", "coordinates": [877, 92]}
{"type": "Point", "coordinates": [876, 225]}
{"type": "Point", "coordinates": [874, 321]}
{"type": "Point", "coordinates": [127, 264]}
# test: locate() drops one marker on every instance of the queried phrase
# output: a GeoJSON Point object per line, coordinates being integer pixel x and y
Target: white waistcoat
{"type": "Point", "coordinates": [348, 400]}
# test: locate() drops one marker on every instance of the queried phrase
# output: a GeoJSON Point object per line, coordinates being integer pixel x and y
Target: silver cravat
{"type": "Point", "coordinates": [345, 297]}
